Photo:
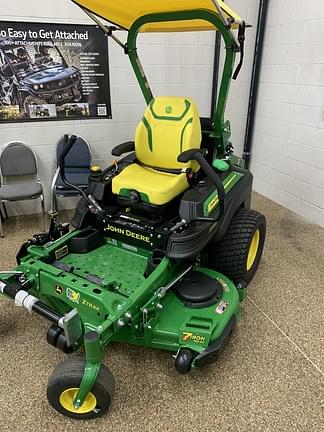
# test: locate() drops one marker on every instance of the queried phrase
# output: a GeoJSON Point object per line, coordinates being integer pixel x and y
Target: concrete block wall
{"type": "Point", "coordinates": [176, 64]}
{"type": "Point", "coordinates": [237, 106]}
{"type": "Point", "coordinates": [288, 145]}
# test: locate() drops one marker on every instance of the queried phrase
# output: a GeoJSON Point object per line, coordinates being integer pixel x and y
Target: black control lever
{"type": "Point", "coordinates": [241, 40]}
{"type": "Point", "coordinates": [198, 155]}
{"type": "Point", "coordinates": [67, 145]}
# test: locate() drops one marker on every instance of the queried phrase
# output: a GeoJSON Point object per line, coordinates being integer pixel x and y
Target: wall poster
{"type": "Point", "coordinates": [53, 72]}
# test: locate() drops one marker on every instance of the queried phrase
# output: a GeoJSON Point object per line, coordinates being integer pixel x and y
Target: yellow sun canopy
{"type": "Point", "coordinates": [124, 13]}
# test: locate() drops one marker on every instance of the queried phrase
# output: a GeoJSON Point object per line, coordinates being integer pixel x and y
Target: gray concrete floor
{"type": "Point", "coordinates": [269, 379]}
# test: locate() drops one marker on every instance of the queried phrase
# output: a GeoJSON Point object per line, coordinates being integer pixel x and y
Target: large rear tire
{"type": "Point", "coordinates": [238, 254]}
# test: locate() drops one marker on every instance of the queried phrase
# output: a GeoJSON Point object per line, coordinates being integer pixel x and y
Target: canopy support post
{"type": "Point", "coordinates": [140, 74]}
{"type": "Point", "coordinates": [108, 30]}
{"type": "Point", "coordinates": [221, 132]}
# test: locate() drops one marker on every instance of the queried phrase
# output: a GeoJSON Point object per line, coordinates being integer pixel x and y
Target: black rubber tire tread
{"type": "Point", "coordinates": [229, 256]}
{"type": "Point", "coordinates": [184, 360]}
{"type": "Point", "coordinates": [61, 344]}
{"type": "Point", "coordinates": [52, 334]}
{"type": "Point", "coordinates": [68, 374]}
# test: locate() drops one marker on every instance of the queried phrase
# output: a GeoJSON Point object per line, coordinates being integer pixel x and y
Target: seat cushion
{"type": "Point", "coordinates": [170, 126]}
{"type": "Point", "coordinates": [155, 187]}
{"type": "Point", "coordinates": [20, 191]}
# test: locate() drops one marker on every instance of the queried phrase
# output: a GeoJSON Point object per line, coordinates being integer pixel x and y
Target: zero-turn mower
{"type": "Point", "coordinates": [164, 240]}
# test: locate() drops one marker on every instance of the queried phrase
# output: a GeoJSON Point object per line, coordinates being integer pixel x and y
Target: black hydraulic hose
{"type": "Point", "coordinates": [44, 311]}
{"type": "Point", "coordinates": [12, 289]}
{"type": "Point", "coordinates": [255, 81]}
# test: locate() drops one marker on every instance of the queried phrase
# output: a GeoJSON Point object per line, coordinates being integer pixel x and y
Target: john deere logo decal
{"type": "Point", "coordinates": [191, 337]}
{"type": "Point", "coordinates": [168, 109]}
{"type": "Point", "coordinates": [72, 295]}
{"type": "Point", "coordinates": [58, 289]}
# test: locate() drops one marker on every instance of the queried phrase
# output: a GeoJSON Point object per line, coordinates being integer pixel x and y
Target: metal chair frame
{"type": "Point", "coordinates": [41, 196]}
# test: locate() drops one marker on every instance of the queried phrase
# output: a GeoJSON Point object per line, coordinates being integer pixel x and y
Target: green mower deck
{"type": "Point", "coordinates": [106, 303]}
{"type": "Point", "coordinates": [104, 296]}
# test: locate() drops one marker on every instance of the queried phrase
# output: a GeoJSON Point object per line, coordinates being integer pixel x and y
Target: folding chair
{"type": "Point", "coordinates": [17, 160]}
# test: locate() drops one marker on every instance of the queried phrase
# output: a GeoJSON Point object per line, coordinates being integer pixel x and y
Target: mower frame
{"type": "Point", "coordinates": [92, 317]}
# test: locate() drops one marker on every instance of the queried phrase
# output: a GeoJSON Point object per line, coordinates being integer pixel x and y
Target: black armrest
{"type": "Point", "coordinates": [189, 155]}
{"type": "Point", "coordinates": [125, 147]}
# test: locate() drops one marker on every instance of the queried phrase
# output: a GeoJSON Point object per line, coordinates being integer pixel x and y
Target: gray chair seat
{"type": "Point", "coordinates": [20, 191]}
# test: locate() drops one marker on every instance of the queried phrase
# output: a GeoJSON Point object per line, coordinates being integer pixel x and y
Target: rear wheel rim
{"type": "Point", "coordinates": [67, 397]}
{"type": "Point", "coordinates": [253, 250]}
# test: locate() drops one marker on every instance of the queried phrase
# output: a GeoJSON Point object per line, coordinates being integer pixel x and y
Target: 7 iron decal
{"type": "Point", "coordinates": [191, 337]}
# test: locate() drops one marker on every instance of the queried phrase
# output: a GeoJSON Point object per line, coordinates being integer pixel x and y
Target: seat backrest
{"type": "Point", "coordinates": [79, 156]}
{"type": "Point", "coordinates": [170, 125]}
{"type": "Point", "coordinates": [17, 160]}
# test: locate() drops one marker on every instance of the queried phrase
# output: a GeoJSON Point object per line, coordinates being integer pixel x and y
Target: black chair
{"type": "Point", "coordinates": [77, 171]}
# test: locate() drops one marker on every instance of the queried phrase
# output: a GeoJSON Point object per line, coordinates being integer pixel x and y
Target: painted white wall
{"type": "Point", "coordinates": [288, 145]}
{"type": "Point", "coordinates": [237, 106]}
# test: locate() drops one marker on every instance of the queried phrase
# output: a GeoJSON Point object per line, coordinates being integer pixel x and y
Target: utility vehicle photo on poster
{"type": "Point", "coordinates": [53, 72]}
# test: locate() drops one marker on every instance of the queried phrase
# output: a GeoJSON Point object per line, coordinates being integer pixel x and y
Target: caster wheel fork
{"type": "Point", "coordinates": [82, 388]}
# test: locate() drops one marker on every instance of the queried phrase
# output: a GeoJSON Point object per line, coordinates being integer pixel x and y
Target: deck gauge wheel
{"type": "Point", "coordinates": [63, 386]}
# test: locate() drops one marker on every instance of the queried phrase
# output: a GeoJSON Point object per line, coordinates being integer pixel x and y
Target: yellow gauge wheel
{"type": "Point", "coordinates": [67, 397]}
{"type": "Point", "coordinates": [253, 250]}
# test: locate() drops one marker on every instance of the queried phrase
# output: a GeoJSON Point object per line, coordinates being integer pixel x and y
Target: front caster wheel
{"type": "Point", "coordinates": [184, 360]}
{"type": "Point", "coordinates": [63, 386]}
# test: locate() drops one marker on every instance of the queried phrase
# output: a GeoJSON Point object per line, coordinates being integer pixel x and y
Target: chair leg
{"type": "Point", "coordinates": [2, 219]}
{"type": "Point", "coordinates": [1, 229]}
{"type": "Point", "coordinates": [54, 203]}
{"type": "Point", "coordinates": [43, 212]}
{"type": "Point", "coordinates": [53, 209]}
{"type": "Point", "coordinates": [5, 210]}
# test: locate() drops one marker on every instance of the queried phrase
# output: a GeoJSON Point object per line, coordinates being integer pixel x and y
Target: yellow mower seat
{"type": "Point", "coordinates": [170, 125]}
